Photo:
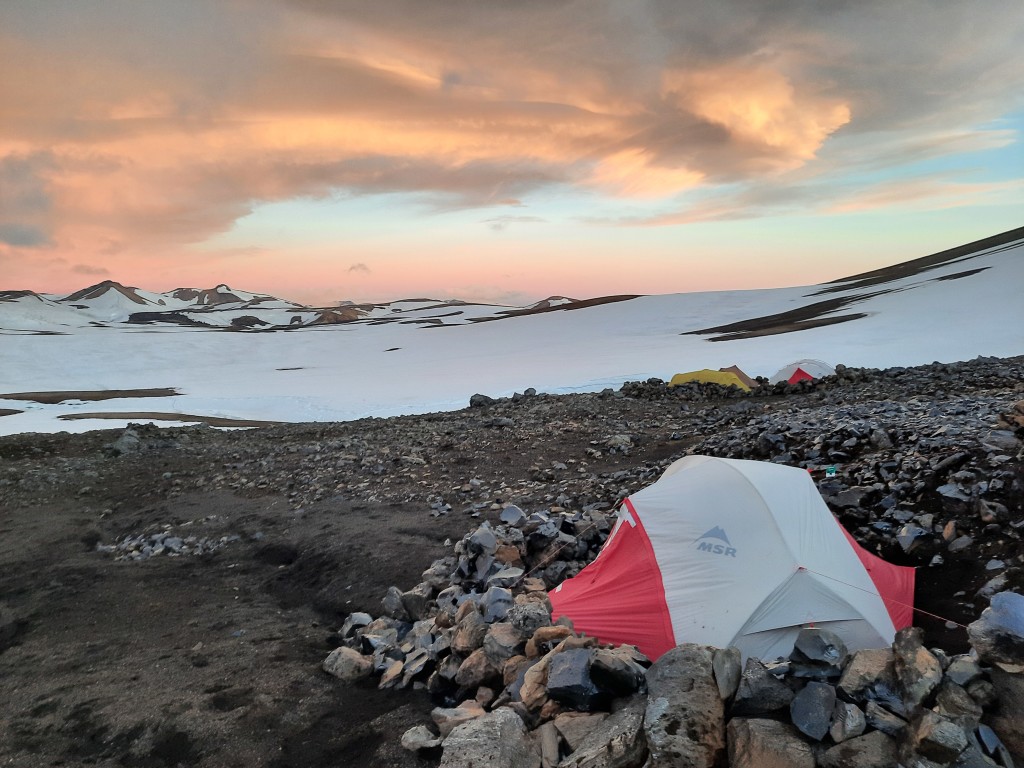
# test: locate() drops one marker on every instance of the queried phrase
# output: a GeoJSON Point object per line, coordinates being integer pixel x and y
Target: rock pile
{"type": "Point", "coordinates": [513, 686]}
{"type": "Point", "coordinates": [517, 690]}
{"type": "Point", "coordinates": [142, 546]}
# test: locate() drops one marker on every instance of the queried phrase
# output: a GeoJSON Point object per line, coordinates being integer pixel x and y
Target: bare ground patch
{"type": "Point", "coordinates": [59, 396]}
{"type": "Point", "coordinates": [925, 263]}
{"type": "Point", "coordinates": [213, 421]}
{"type": "Point", "coordinates": [801, 319]}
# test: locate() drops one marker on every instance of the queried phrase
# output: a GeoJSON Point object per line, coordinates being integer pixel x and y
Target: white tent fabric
{"type": "Point", "coordinates": [766, 583]}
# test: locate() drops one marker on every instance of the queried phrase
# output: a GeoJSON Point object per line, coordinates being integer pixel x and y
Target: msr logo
{"type": "Point", "coordinates": [708, 543]}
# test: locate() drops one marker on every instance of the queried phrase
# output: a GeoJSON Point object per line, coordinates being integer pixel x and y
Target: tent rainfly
{"type": "Point", "coordinates": [802, 370]}
{"type": "Point", "coordinates": [740, 375]}
{"type": "Point", "coordinates": [724, 378]}
{"type": "Point", "coordinates": [728, 552]}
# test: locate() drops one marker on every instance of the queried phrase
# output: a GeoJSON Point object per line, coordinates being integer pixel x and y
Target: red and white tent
{"type": "Point", "coordinates": [802, 370]}
{"type": "Point", "coordinates": [725, 552]}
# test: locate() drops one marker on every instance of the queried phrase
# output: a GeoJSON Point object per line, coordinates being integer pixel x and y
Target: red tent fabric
{"type": "Point", "coordinates": [635, 611]}
{"type": "Point", "coordinates": [800, 375]}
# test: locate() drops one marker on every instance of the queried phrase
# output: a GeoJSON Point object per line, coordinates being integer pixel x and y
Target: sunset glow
{"type": "Point", "coordinates": [498, 151]}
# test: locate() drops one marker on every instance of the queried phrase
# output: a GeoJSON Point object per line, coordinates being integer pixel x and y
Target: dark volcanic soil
{"type": "Point", "coordinates": [214, 659]}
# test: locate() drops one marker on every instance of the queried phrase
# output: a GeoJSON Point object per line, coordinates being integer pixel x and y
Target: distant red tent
{"type": "Point", "coordinates": [802, 370]}
{"type": "Point", "coordinates": [800, 375]}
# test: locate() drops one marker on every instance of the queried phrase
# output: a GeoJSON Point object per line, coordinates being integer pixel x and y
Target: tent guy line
{"type": "Point", "coordinates": [885, 599]}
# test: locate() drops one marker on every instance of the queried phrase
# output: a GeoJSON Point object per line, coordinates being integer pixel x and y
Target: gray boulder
{"type": "Point", "coordinates": [128, 443]}
{"type": "Point", "coordinates": [502, 642]}
{"type": "Point", "coordinates": [685, 718]}
{"type": "Point", "coordinates": [528, 617]}
{"type": "Point", "coordinates": [952, 701]}
{"type": "Point", "coordinates": [918, 671]}
{"type": "Point", "coordinates": [496, 603]}
{"type": "Point", "coordinates": [963, 670]}
{"type": "Point", "coordinates": [574, 727]}
{"type": "Point", "coordinates": [1006, 719]}
{"type": "Point", "coordinates": [881, 719]}
{"type": "Point", "coordinates": [728, 667]}
{"type": "Point", "coordinates": [393, 605]}
{"type": "Point", "coordinates": [759, 691]}
{"type": "Point", "coordinates": [619, 671]}
{"type": "Point", "coordinates": [448, 718]}
{"type": "Point", "coordinates": [354, 621]}
{"type": "Point", "coordinates": [417, 600]}
{"type": "Point", "coordinates": [569, 680]}
{"type": "Point", "coordinates": [347, 664]}
{"type": "Point", "coordinates": [998, 634]}
{"type": "Point", "coordinates": [513, 515]}
{"type": "Point", "coordinates": [419, 738]}
{"type": "Point", "coordinates": [469, 633]}
{"type": "Point", "coordinates": [498, 738]}
{"type": "Point", "coordinates": [811, 709]}
{"type": "Point", "coordinates": [866, 672]}
{"type": "Point", "coordinates": [818, 653]}
{"type": "Point", "coordinates": [476, 670]}
{"type": "Point", "coordinates": [756, 743]}
{"type": "Point", "coordinates": [937, 738]}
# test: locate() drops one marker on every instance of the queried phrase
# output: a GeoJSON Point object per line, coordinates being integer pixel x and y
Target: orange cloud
{"type": "Point", "coordinates": [759, 106]}
{"type": "Point", "coordinates": [118, 146]}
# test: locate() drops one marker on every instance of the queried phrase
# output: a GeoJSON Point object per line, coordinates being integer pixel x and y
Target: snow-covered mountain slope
{"type": "Point", "coordinates": [112, 304]}
{"type": "Point", "coordinates": [418, 356]}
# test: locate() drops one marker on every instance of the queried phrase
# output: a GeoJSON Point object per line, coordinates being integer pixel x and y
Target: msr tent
{"type": "Point", "coordinates": [706, 375]}
{"type": "Point", "coordinates": [802, 370]}
{"type": "Point", "coordinates": [727, 552]}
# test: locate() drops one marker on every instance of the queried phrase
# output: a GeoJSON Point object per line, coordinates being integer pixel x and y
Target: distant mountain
{"type": "Point", "coordinates": [104, 291]}
{"type": "Point", "coordinates": [111, 304]}
{"type": "Point", "coordinates": [121, 344]}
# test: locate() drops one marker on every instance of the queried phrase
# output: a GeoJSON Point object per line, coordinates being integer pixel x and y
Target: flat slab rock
{"type": "Point", "coordinates": [758, 743]}
{"type": "Point", "coordinates": [498, 738]}
{"type": "Point", "coordinates": [618, 743]}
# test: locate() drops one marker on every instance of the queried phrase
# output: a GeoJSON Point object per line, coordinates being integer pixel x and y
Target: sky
{"type": "Point", "coordinates": [331, 150]}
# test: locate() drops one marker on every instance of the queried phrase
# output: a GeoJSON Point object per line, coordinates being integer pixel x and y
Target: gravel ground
{"type": "Point", "coordinates": [167, 595]}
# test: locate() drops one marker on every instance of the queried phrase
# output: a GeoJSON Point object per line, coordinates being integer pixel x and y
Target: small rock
{"type": "Point", "coordinates": [347, 664]}
{"type": "Point", "coordinates": [872, 750]}
{"type": "Point", "coordinates": [848, 722]}
{"type": "Point", "coordinates": [447, 719]}
{"type": "Point", "coordinates": [420, 738]}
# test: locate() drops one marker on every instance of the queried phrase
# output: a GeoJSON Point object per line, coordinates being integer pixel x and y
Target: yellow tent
{"type": "Point", "coordinates": [706, 375]}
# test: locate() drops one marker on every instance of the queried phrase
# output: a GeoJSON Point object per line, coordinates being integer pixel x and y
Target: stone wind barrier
{"type": "Point", "coordinates": [516, 689]}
